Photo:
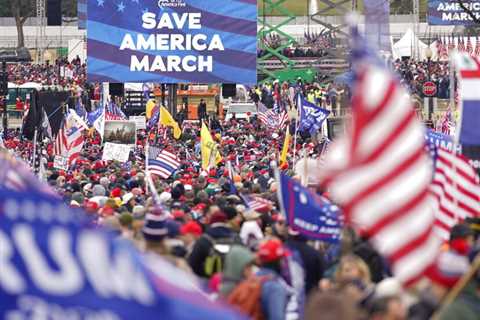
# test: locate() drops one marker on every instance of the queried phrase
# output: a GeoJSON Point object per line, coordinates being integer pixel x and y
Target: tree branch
{"type": "Point", "coordinates": [468, 11]}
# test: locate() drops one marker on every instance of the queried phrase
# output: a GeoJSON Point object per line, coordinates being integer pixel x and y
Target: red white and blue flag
{"type": "Point", "coordinates": [162, 163]}
{"type": "Point", "coordinates": [379, 173]}
{"type": "Point", "coordinates": [469, 99]}
{"type": "Point", "coordinates": [113, 112]}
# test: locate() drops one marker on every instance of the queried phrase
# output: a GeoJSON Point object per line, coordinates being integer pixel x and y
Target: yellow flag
{"type": "Point", "coordinates": [286, 144]}
{"type": "Point", "coordinates": [149, 108]}
{"type": "Point", "coordinates": [210, 154]}
{"type": "Point", "coordinates": [167, 120]}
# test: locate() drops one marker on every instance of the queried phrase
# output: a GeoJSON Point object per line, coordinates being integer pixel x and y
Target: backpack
{"type": "Point", "coordinates": [247, 297]}
{"type": "Point", "coordinates": [216, 257]}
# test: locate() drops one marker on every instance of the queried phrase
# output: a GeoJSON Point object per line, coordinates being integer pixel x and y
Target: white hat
{"type": "Point", "coordinates": [127, 197]}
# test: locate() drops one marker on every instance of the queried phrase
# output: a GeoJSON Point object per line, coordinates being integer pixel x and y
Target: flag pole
{"type": "Point", "coordinates": [147, 171]}
{"type": "Point", "coordinates": [305, 168]}
{"type": "Point", "coordinates": [34, 154]}
{"type": "Point", "coordinates": [459, 286]}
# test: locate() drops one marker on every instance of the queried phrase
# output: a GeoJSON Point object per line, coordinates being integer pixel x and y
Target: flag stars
{"type": "Point", "coordinates": [100, 3]}
{"type": "Point", "coordinates": [121, 7]}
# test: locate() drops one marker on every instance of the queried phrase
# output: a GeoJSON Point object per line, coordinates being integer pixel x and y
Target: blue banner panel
{"type": "Point", "coordinates": [172, 41]}
{"type": "Point", "coordinates": [450, 12]}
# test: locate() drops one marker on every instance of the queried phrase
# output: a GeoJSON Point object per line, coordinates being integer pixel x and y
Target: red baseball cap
{"type": "Point", "coordinates": [272, 250]}
{"type": "Point", "coordinates": [191, 227]}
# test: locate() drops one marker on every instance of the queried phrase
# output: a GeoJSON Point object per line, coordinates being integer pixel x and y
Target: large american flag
{"type": "Point", "coordinates": [272, 119]}
{"type": "Point", "coordinates": [162, 162]}
{"type": "Point", "coordinates": [69, 142]}
{"type": "Point", "coordinates": [457, 189]}
{"type": "Point", "coordinates": [380, 173]}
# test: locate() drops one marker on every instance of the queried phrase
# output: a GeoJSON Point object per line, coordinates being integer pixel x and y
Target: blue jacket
{"type": "Point", "coordinates": [275, 295]}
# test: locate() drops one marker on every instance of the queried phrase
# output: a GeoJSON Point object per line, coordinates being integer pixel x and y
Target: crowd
{"type": "Point", "coordinates": [203, 222]}
{"type": "Point", "coordinates": [415, 73]}
{"type": "Point", "coordinates": [64, 73]}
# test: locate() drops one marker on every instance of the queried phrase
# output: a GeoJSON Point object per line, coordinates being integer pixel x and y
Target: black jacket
{"type": "Point", "coordinates": [313, 263]}
{"type": "Point", "coordinates": [202, 247]}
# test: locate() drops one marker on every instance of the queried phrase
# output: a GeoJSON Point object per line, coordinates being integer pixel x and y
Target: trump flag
{"type": "Point", "coordinates": [172, 41]}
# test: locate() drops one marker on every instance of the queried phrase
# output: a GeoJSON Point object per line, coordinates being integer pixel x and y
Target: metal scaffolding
{"type": "Point", "coordinates": [268, 29]}
{"type": "Point", "coordinates": [41, 36]}
{"type": "Point", "coordinates": [341, 7]}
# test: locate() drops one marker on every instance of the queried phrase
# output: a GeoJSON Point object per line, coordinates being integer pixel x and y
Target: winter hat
{"type": "Point", "coordinates": [78, 197]}
{"type": "Point", "coordinates": [218, 217]}
{"type": "Point", "coordinates": [98, 191]}
{"type": "Point", "coordinates": [138, 212]}
{"type": "Point", "coordinates": [155, 228]}
{"type": "Point", "coordinates": [104, 181]}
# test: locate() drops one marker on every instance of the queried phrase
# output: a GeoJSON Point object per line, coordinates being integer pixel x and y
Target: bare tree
{"type": "Point", "coordinates": [21, 11]}
{"type": "Point", "coordinates": [468, 11]}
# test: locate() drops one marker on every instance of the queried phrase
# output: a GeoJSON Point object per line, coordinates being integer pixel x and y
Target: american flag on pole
{"type": "Point", "coordinates": [457, 189]}
{"type": "Point", "coordinates": [380, 173]}
{"type": "Point", "coordinates": [69, 142]}
{"type": "Point", "coordinates": [162, 163]}
{"type": "Point", "coordinates": [461, 45]}
{"type": "Point", "coordinates": [270, 118]}
{"type": "Point", "coordinates": [113, 112]}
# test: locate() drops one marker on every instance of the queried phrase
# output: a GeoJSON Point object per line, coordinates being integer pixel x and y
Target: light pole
{"type": "Point", "coordinates": [428, 55]}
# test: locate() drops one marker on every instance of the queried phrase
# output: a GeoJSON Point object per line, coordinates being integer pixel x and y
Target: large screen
{"type": "Point", "coordinates": [450, 12]}
{"type": "Point", "coordinates": [172, 41]}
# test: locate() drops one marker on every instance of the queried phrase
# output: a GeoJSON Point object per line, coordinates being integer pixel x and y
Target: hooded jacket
{"type": "Point", "coordinates": [235, 262]}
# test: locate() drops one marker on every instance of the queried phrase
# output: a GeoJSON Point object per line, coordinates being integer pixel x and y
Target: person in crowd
{"type": "Point", "coordinates": [202, 110]}
{"type": "Point", "coordinates": [239, 263]}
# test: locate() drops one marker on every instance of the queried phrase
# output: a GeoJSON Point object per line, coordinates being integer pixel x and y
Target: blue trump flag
{"type": "Point", "coordinates": [55, 265]}
{"type": "Point", "coordinates": [172, 41]}
{"type": "Point", "coordinates": [309, 214]}
{"type": "Point", "coordinates": [311, 115]}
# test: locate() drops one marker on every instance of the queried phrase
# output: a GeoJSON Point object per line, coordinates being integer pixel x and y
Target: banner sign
{"type": "Point", "coordinates": [450, 12]}
{"type": "Point", "coordinates": [140, 122]}
{"type": "Point", "coordinates": [120, 132]}
{"type": "Point", "coordinates": [309, 214]}
{"type": "Point", "coordinates": [61, 163]}
{"type": "Point", "coordinates": [53, 266]}
{"type": "Point", "coordinates": [117, 152]}
{"type": "Point", "coordinates": [172, 41]}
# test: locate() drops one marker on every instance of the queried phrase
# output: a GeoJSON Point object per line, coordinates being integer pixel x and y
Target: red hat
{"type": "Point", "coordinates": [191, 227]}
{"type": "Point", "coordinates": [116, 193]}
{"type": "Point", "coordinates": [178, 214]}
{"type": "Point", "coordinates": [272, 250]}
{"type": "Point", "coordinates": [199, 207]}
{"type": "Point", "coordinates": [91, 206]}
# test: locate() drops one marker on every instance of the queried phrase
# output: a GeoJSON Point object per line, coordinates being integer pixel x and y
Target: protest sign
{"type": "Point", "coordinates": [60, 162]}
{"type": "Point", "coordinates": [120, 132]}
{"type": "Point", "coordinates": [55, 266]}
{"type": "Point", "coordinates": [117, 152]}
{"type": "Point", "coordinates": [140, 122]}
{"type": "Point", "coordinates": [309, 214]}
{"type": "Point", "coordinates": [172, 41]}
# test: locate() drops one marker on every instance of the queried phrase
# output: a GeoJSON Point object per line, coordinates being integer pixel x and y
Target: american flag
{"type": "Point", "coordinates": [162, 163]}
{"type": "Point", "coordinates": [477, 48]}
{"type": "Point", "coordinates": [256, 203]}
{"type": "Point", "coordinates": [469, 48]}
{"type": "Point", "coordinates": [447, 121]}
{"type": "Point", "coordinates": [272, 119]}
{"type": "Point", "coordinates": [451, 45]}
{"type": "Point", "coordinates": [461, 45]}
{"type": "Point", "coordinates": [444, 49]}
{"type": "Point", "coordinates": [457, 189]}
{"type": "Point", "coordinates": [113, 112]}
{"type": "Point", "coordinates": [380, 173]}
{"type": "Point", "coordinates": [69, 142]}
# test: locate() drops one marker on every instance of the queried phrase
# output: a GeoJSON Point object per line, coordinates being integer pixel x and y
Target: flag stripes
{"type": "Point", "coordinates": [162, 163]}
{"type": "Point", "coordinates": [380, 174]}
{"type": "Point", "coordinates": [457, 189]}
